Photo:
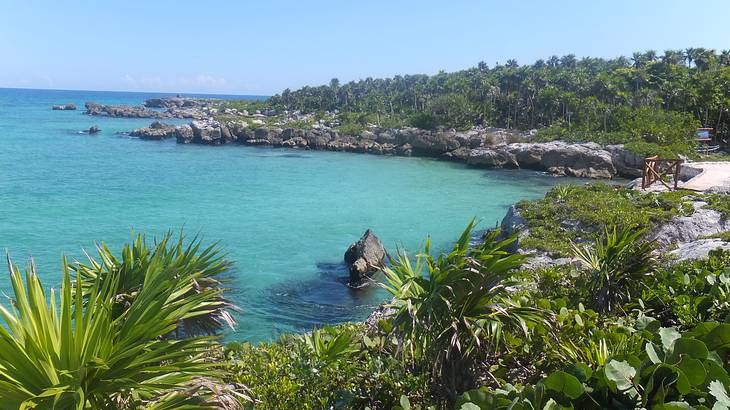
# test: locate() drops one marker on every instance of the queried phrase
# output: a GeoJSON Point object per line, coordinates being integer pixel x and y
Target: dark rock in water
{"type": "Point", "coordinates": [364, 258]}
{"type": "Point", "coordinates": [66, 107]}
{"type": "Point", "coordinates": [94, 129]}
{"type": "Point", "coordinates": [184, 134]}
{"type": "Point", "coordinates": [207, 132]}
{"type": "Point", "coordinates": [156, 131]}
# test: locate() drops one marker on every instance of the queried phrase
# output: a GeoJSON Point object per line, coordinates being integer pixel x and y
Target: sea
{"type": "Point", "coordinates": [283, 217]}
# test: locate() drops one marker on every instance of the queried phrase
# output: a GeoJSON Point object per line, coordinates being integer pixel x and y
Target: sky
{"type": "Point", "coordinates": [262, 47]}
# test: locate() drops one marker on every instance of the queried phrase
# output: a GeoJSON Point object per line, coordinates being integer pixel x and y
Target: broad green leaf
{"type": "Point", "coordinates": [647, 323]}
{"type": "Point", "coordinates": [718, 337]}
{"type": "Point", "coordinates": [564, 383]}
{"type": "Point", "coordinates": [653, 356]}
{"type": "Point", "coordinates": [690, 347]}
{"type": "Point", "coordinates": [694, 370]}
{"type": "Point", "coordinates": [668, 336]}
{"type": "Point", "coordinates": [620, 373]}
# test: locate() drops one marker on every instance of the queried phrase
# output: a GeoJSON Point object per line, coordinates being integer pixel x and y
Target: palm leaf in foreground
{"type": "Point", "coordinates": [447, 307]}
{"type": "Point", "coordinates": [140, 264]}
{"type": "Point", "coordinates": [69, 350]}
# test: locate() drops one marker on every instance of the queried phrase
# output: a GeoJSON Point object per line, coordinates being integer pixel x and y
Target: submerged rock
{"type": "Point", "coordinates": [364, 258]}
{"type": "Point", "coordinates": [94, 129]}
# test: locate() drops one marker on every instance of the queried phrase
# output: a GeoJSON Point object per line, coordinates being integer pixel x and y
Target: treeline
{"type": "Point", "coordinates": [592, 94]}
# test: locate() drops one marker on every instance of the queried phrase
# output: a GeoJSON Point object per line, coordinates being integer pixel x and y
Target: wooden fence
{"type": "Point", "coordinates": [657, 169]}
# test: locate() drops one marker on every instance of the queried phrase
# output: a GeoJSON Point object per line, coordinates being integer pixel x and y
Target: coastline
{"type": "Point", "coordinates": [481, 147]}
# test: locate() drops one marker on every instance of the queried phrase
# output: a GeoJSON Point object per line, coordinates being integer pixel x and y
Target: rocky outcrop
{"type": "Point", "coordinates": [94, 129]}
{"type": "Point", "coordinates": [513, 223]}
{"type": "Point", "coordinates": [701, 222]}
{"type": "Point", "coordinates": [156, 131]}
{"type": "Point", "coordinates": [123, 111]}
{"type": "Point", "coordinates": [64, 107]}
{"type": "Point", "coordinates": [180, 102]}
{"type": "Point", "coordinates": [587, 160]}
{"type": "Point", "coordinates": [682, 237]}
{"type": "Point", "coordinates": [627, 163]}
{"type": "Point", "coordinates": [364, 257]}
{"type": "Point", "coordinates": [184, 134]}
{"type": "Point", "coordinates": [698, 249]}
{"type": "Point", "coordinates": [129, 111]}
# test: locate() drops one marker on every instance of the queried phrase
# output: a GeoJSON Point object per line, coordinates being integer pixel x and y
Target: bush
{"type": "Point", "coordinates": [673, 371]}
{"type": "Point", "coordinates": [424, 121]}
{"type": "Point", "coordinates": [450, 306]}
{"type": "Point", "coordinates": [301, 373]}
{"type": "Point", "coordinates": [650, 149]}
{"type": "Point", "coordinates": [662, 127]}
{"type": "Point", "coordinates": [579, 213]}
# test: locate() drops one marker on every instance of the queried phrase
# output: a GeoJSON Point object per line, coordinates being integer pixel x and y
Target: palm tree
{"type": "Point", "coordinates": [66, 350]}
{"type": "Point", "coordinates": [616, 266]}
{"type": "Point", "coordinates": [448, 306]}
{"type": "Point", "coordinates": [202, 266]}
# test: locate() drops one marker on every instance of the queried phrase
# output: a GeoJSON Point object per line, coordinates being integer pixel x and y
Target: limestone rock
{"type": "Point", "coordinates": [364, 257]}
{"type": "Point", "coordinates": [156, 131]}
{"type": "Point", "coordinates": [683, 229]}
{"type": "Point", "coordinates": [184, 134]}
{"type": "Point", "coordinates": [697, 249]}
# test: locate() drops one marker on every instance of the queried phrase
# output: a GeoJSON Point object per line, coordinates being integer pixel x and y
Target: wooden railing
{"type": "Point", "coordinates": [657, 169]}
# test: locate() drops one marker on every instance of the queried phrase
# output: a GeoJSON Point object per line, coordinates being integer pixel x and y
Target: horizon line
{"type": "Point", "coordinates": [137, 91]}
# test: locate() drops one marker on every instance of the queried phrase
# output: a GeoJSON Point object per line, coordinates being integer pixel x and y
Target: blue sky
{"type": "Point", "coordinates": [262, 47]}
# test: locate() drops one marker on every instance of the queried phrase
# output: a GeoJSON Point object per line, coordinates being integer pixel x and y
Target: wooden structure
{"type": "Point", "coordinates": [706, 141]}
{"type": "Point", "coordinates": [657, 169]}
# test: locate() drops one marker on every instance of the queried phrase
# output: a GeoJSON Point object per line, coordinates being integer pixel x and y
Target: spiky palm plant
{"type": "Point", "coordinates": [139, 262]}
{"type": "Point", "coordinates": [69, 350]}
{"type": "Point", "coordinates": [447, 307]}
{"type": "Point", "coordinates": [617, 265]}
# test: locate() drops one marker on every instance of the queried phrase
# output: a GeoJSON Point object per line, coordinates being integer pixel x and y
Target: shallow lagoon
{"type": "Point", "coordinates": [285, 217]}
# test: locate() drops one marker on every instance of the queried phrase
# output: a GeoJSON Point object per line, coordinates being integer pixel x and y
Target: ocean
{"type": "Point", "coordinates": [284, 217]}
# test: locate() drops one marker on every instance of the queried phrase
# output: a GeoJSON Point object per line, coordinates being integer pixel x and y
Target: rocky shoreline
{"type": "Point", "coordinates": [476, 147]}
{"type": "Point", "coordinates": [484, 147]}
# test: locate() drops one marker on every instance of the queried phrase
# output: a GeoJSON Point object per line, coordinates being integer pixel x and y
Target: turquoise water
{"type": "Point", "coordinates": [284, 216]}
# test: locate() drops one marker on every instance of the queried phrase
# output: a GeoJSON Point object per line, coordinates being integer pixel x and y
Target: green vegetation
{"type": "Point", "coordinates": [656, 339]}
{"type": "Point", "coordinates": [467, 329]}
{"type": "Point", "coordinates": [553, 220]}
{"type": "Point", "coordinates": [105, 339]}
{"type": "Point", "coordinates": [651, 98]}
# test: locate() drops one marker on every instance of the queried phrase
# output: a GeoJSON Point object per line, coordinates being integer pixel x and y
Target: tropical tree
{"type": "Point", "coordinates": [450, 305]}
{"type": "Point", "coordinates": [74, 350]}
{"type": "Point", "coordinates": [616, 266]}
{"type": "Point", "coordinates": [198, 270]}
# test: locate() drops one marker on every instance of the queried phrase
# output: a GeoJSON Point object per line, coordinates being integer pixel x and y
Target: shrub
{"type": "Point", "coordinates": [617, 266]}
{"type": "Point", "coordinates": [424, 121]}
{"type": "Point", "coordinates": [69, 350]}
{"type": "Point", "coordinates": [576, 216]}
{"type": "Point", "coordinates": [674, 370]}
{"type": "Point", "coordinates": [447, 307]}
